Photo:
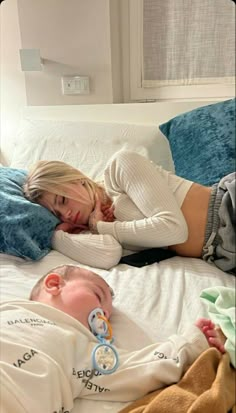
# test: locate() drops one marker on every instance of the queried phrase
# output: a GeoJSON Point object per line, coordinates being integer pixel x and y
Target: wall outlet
{"type": "Point", "coordinates": [75, 85]}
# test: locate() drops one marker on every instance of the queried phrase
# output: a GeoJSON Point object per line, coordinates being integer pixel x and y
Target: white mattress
{"type": "Point", "coordinates": [150, 303]}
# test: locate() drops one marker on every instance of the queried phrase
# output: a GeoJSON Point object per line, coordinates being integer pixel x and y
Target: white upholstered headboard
{"type": "Point", "coordinates": [152, 113]}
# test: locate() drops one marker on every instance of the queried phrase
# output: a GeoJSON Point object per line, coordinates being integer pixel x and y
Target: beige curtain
{"type": "Point", "coordinates": [187, 42]}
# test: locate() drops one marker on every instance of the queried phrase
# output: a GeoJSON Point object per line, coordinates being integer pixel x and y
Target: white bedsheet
{"type": "Point", "coordinates": [150, 303]}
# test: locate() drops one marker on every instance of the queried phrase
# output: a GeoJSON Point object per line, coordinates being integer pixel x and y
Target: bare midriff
{"type": "Point", "coordinates": [195, 210]}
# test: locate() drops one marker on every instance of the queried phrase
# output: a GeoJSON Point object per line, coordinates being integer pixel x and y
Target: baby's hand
{"type": "Point", "coordinates": [213, 334]}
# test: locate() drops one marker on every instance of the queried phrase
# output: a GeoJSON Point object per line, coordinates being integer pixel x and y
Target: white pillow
{"type": "Point", "coordinates": [87, 145]}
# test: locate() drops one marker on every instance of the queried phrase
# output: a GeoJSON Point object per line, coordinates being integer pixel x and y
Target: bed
{"type": "Point", "coordinates": [153, 301]}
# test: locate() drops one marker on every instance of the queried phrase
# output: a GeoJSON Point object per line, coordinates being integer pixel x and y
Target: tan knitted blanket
{"type": "Point", "coordinates": [208, 386]}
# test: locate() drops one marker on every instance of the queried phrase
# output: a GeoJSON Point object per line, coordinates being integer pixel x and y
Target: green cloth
{"type": "Point", "coordinates": [221, 309]}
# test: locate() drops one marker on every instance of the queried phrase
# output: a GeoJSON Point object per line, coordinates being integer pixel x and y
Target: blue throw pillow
{"type": "Point", "coordinates": [25, 228]}
{"type": "Point", "coordinates": [202, 142]}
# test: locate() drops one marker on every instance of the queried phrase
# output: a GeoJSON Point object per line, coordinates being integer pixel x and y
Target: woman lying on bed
{"type": "Point", "coordinates": [151, 207]}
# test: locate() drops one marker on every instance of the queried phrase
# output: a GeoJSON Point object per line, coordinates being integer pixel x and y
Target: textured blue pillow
{"type": "Point", "coordinates": [25, 228]}
{"type": "Point", "coordinates": [202, 142]}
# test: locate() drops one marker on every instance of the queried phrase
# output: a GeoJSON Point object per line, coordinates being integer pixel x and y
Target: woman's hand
{"type": "Point", "coordinates": [70, 228]}
{"type": "Point", "coordinates": [108, 212]}
{"type": "Point", "coordinates": [100, 213]}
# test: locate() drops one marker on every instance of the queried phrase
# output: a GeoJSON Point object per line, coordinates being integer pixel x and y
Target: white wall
{"type": "Point", "coordinates": [75, 37]}
{"type": "Point", "coordinates": [12, 85]}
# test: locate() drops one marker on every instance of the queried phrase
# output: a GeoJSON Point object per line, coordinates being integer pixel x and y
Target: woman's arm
{"type": "Point", "coordinates": [136, 176]}
{"type": "Point", "coordinates": [99, 251]}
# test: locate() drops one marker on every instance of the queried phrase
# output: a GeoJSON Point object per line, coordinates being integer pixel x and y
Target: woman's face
{"type": "Point", "coordinates": [74, 208]}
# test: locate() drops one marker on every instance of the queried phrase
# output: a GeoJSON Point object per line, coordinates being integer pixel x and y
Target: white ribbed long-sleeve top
{"type": "Point", "coordinates": [147, 201]}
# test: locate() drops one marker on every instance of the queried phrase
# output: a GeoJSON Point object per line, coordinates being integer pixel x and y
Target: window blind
{"type": "Point", "coordinates": [188, 42]}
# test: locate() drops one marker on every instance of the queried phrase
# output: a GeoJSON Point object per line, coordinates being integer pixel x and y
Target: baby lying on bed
{"type": "Point", "coordinates": [57, 346]}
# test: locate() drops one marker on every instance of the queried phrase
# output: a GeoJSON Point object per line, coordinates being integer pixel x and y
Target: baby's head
{"type": "Point", "coordinates": [75, 291]}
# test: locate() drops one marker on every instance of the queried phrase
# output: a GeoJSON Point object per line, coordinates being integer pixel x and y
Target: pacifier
{"type": "Point", "coordinates": [98, 322]}
{"type": "Point", "coordinates": [104, 355]}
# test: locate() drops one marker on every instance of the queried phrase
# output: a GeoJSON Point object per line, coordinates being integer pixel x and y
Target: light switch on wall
{"type": "Point", "coordinates": [75, 85]}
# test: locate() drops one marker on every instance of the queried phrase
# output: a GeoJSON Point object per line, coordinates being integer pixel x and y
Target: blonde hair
{"type": "Point", "coordinates": [53, 177]}
{"type": "Point", "coordinates": [65, 271]}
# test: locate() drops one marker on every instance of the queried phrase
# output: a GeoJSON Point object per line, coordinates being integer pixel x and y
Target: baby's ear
{"type": "Point", "coordinates": [53, 283]}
